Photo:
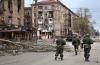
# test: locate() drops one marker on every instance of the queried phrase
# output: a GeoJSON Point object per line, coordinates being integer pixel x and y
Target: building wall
{"type": "Point", "coordinates": [62, 17]}
{"type": "Point", "coordinates": [63, 20]}
{"type": "Point", "coordinates": [17, 15]}
{"type": "Point", "coordinates": [74, 17]}
{"type": "Point", "coordinates": [57, 19]}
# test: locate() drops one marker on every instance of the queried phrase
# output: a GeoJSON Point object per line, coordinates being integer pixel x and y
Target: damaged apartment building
{"type": "Point", "coordinates": [12, 19]}
{"type": "Point", "coordinates": [52, 19]}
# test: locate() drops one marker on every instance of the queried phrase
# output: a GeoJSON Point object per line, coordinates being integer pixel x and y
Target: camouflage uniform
{"type": "Point", "coordinates": [76, 43]}
{"type": "Point", "coordinates": [59, 48]}
{"type": "Point", "coordinates": [87, 47]}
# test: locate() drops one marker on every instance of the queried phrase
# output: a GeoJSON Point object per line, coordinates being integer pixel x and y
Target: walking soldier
{"type": "Point", "coordinates": [59, 48]}
{"type": "Point", "coordinates": [76, 43]}
{"type": "Point", "coordinates": [87, 46]}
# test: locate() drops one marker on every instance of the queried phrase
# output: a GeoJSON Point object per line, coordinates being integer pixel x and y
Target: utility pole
{"type": "Point", "coordinates": [36, 17]}
{"type": "Point", "coordinates": [81, 15]}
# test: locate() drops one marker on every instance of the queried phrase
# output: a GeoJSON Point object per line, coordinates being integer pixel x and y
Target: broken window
{"type": "Point", "coordinates": [10, 5]}
{"type": "Point", "coordinates": [69, 20]}
{"type": "Point", "coordinates": [40, 14]}
{"type": "Point", "coordinates": [19, 22]}
{"type": "Point", "coordinates": [50, 14]}
{"type": "Point", "coordinates": [1, 6]}
{"type": "Point", "coordinates": [40, 7]}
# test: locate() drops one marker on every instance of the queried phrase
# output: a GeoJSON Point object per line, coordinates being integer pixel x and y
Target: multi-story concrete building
{"type": "Point", "coordinates": [52, 19]}
{"type": "Point", "coordinates": [11, 13]}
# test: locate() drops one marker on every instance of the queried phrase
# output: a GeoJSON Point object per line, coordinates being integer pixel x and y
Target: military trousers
{"type": "Point", "coordinates": [59, 52]}
{"type": "Point", "coordinates": [76, 49]}
{"type": "Point", "coordinates": [87, 53]}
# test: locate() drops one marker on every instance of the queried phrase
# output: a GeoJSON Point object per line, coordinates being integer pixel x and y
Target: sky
{"type": "Point", "coordinates": [92, 5]}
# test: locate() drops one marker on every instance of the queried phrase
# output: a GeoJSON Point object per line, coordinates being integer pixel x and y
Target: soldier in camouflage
{"type": "Point", "coordinates": [76, 43]}
{"type": "Point", "coordinates": [59, 48]}
{"type": "Point", "coordinates": [87, 46]}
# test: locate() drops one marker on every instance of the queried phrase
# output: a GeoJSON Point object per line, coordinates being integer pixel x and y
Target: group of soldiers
{"type": "Point", "coordinates": [76, 42]}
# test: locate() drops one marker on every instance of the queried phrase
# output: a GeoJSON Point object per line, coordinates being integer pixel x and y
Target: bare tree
{"type": "Point", "coordinates": [81, 24]}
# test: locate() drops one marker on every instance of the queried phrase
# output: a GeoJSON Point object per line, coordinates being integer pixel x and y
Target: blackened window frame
{"type": "Point", "coordinates": [10, 5]}
{"type": "Point", "coordinates": [19, 5]}
{"type": "Point", "coordinates": [1, 6]}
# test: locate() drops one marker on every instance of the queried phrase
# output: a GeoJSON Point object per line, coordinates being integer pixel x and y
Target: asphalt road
{"type": "Point", "coordinates": [47, 58]}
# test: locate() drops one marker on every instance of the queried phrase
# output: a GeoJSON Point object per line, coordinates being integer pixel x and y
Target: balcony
{"type": "Point", "coordinates": [39, 28]}
{"type": "Point", "coordinates": [48, 8]}
{"type": "Point", "coordinates": [40, 21]}
{"type": "Point", "coordinates": [50, 20]}
{"type": "Point", "coordinates": [44, 30]}
{"type": "Point", "coordinates": [40, 8]}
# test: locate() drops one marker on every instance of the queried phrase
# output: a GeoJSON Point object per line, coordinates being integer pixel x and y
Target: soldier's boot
{"type": "Point", "coordinates": [61, 58]}
{"type": "Point", "coordinates": [76, 52]}
{"type": "Point", "coordinates": [55, 57]}
{"type": "Point", "coordinates": [86, 59]}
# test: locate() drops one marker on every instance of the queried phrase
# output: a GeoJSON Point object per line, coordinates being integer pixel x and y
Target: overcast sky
{"type": "Point", "coordinates": [93, 5]}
